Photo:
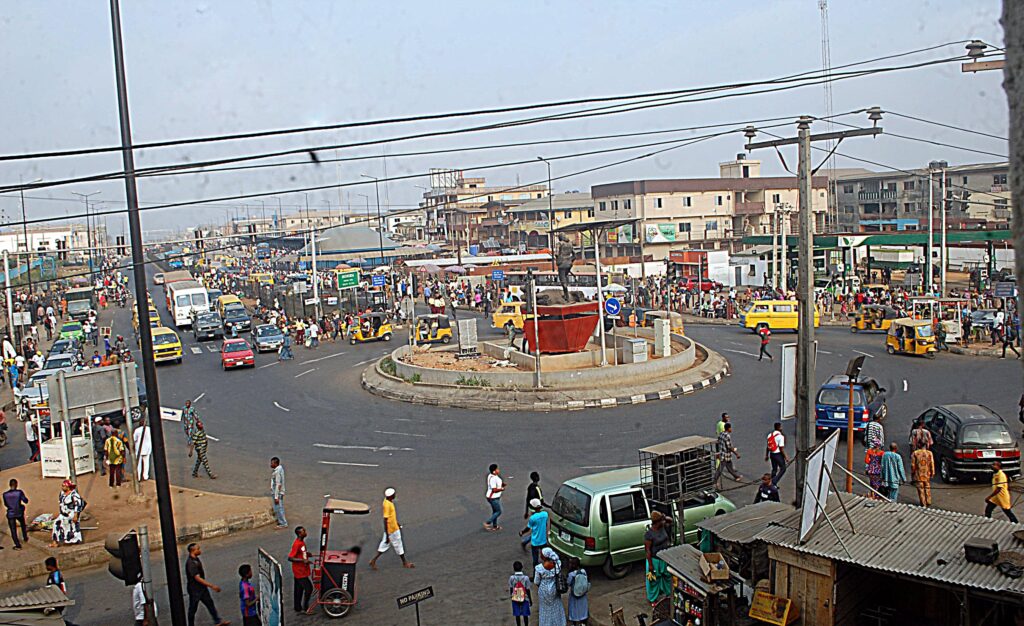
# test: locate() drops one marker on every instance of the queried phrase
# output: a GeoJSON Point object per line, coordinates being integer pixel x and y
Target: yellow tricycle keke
{"type": "Point", "coordinates": [675, 320]}
{"type": "Point", "coordinates": [910, 336]}
{"type": "Point", "coordinates": [370, 327]}
{"type": "Point", "coordinates": [873, 317]}
{"type": "Point", "coordinates": [432, 328]}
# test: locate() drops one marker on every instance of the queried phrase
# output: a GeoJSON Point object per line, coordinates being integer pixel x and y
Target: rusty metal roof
{"type": "Point", "coordinates": [44, 597]}
{"type": "Point", "coordinates": [743, 524]}
{"type": "Point", "coordinates": [904, 539]}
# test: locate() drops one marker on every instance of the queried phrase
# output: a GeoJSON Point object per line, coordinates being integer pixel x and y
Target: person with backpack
{"type": "Point", "coordinates": [519, 592]}
{"type": "Point", "coordinates": [579, 587]}
{"type": "Point", "coordinates": [766, 335]}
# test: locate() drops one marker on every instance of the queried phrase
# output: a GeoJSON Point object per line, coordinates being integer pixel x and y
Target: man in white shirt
{"type": "Point", "coordinates": [139, 605]}
{"type": "Point", "coordinates": [776, 453]}
{"type": "Point", "coordinates": [32, 439]}
{"type": "Point", "coordinates": [314, 335]}
{"type": "Point", "coordinates": [143, 450]}
{"type": "Point", "coordinates": [494, 488]}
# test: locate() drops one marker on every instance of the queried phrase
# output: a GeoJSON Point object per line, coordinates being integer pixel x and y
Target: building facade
{"type": "Point", "coordinates": [531, 223]}
{"type": "Point", "coordinates": [703, 213]}
{"type": "Point", "coordinates": [976, 196]}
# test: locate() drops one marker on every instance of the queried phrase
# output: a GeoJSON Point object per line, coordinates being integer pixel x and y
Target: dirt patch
{"type": "Point", "coordinates": [447, 360]}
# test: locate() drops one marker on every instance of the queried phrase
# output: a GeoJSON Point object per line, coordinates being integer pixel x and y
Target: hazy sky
{"type": "Point", "coordinates": [208, 68]}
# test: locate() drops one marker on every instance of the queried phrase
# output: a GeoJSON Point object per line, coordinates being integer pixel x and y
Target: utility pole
{"type": "Point", "coordinates": [931, 230]}
{"type": "Point", "coordinates": [380, 231]}
{"type": "Point", "coordinates": [551, 216]}
{"type": "Point", "coordinates": [163, 490]}
{"type": "Point", "coordinates": [88, 229]}
{"type": "Point", "coordinates": [28, 247]}
{"type": "Point", "coordinates": [805, 429]}
{"type": "Point", "coordinates": [942, 248]}
{"type": "Point", "coordinates": [784, 209]}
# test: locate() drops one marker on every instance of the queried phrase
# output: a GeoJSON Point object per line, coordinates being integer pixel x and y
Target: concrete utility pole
{"type": "Point", "coordinates": [168, 534]}
{"type": "Point", "coordinates": [551, 216]}
{"type": "Point", "coordinates": [931, 231]}
{"type": "Point", "coordinates": [805, 285]}
{"type": "Point", "coordinates": [783, 210]}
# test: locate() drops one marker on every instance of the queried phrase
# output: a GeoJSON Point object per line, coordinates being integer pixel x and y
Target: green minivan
{"type": "Point", "coordinates": [601, 519]}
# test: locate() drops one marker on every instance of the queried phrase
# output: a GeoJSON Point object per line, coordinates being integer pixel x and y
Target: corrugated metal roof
{"type": "Point", "coordinates": [743, 524]}
{"type": "Point", "coordinates": [43, 597]}
{"type": "Point", "coordinates": [904, 539]}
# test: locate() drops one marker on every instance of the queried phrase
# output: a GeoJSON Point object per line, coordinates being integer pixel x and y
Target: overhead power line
{"type": "Point", "coordinates": [950, 126]}
{"type": "Point", "coordinates": [466, 113]}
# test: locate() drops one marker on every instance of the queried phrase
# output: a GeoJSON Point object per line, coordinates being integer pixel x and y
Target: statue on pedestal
{"type": "Point", "coordinates": [564, 257]}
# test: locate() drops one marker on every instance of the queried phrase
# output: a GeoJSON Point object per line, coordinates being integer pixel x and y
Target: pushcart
{"type": "Point", "coordinates": [334, 571]}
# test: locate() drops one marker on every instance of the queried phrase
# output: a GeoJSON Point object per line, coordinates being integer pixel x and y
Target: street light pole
{"type": "Point", "coordinates": [168, 533]}
{"type": "Point", "coordinates": [380, 230]}
{"type": "Point", "coordinates": [88, 228]}
{"type": "Point", "coordinates": [805, 430]}
{"type": "Point", "coordinates": [551, 216]}
{"type": "Point", "coordinates": [24, 230]}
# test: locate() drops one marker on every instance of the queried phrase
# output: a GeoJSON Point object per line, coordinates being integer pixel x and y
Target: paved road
{"type": "Point", "coordinates": [334, 439]}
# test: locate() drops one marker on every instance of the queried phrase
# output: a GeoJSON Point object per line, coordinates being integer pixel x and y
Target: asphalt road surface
{"type": "Point", "coordinates": [336, 440]}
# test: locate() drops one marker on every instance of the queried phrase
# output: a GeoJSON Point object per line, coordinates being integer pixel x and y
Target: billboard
{"type": "Point", "coordinates": [269, 587]}
{"type": "Point", "coordinates": [787, 406]}
{"type": "Point", "coordinates": [660, 233]}
{"type": "Point", "coordinates": [444, 179]}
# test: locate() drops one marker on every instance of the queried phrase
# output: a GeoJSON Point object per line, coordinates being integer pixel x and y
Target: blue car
{"type": "Point", "coordinates": [832, 405]}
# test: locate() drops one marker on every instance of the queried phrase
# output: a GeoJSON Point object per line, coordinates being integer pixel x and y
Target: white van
{"type": "Point", "coordinates": [185, 297]}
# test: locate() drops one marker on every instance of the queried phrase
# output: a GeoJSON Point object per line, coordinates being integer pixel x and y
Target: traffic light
{"type": "Point", "coordinates": [126, 557]}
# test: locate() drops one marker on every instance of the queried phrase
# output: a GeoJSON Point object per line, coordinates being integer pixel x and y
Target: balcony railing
{"type": "Point", "coordinates": [868, 196]}
{"type": "Point", "coordinates": [748, 208]}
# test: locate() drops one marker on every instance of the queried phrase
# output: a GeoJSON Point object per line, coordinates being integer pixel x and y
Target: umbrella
{"type": "Point", "coordinates": [456, 269]}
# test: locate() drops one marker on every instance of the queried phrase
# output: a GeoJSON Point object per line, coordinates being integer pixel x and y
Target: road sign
{"type": "Point", "coordinates": [612, 306]}
{"type": "Point", "coordinates": [332, 300]}
{"type": "Point", "coordinates": [497, 274]}
{"type": "Point", "coordinates": [311, 301]}
{"type": "Point", "coordinates": [378, 280]}
{"type": "Point", "coordinates": [300, 287]}
{"type": "Point", "coordinates": [1004, 289]}
{"type": "Point", "coordinates": [22, 318]}
{"type": "Point", "coordinates": [348, 280]}
{"type": "Point", "coordinates": [414, 599]}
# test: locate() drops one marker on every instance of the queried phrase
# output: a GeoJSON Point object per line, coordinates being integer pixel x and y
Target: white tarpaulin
{"type": "Point", "coordinates": [817, 483]}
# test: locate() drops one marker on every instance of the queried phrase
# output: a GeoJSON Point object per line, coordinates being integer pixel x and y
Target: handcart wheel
{"type": "Point", "coordinates": [336, 602]}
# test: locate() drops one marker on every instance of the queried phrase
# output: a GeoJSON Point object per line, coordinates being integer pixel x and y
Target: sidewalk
{"type": "Point", "coordinates": [689, 318]}
{"type": "Point", "coordinates": [197, 515]}
{"type": "Point", "coordinates": [984, 349]}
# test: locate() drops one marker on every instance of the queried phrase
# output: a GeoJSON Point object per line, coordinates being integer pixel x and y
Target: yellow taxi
{"type": "Point", "coordinates": [166, 345]}
{"type": "Point", "coordinates": [510, 314]}
{"type": "Point", "coordinates": [774, 314]}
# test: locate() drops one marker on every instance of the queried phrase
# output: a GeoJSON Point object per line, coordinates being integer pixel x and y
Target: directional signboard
{"type": "Point", "coordinates": [497, 274]}
{"type": "Point", "coordinates": [378, 280]}
{"type": "Point", "coordinates": [348, 280]}
{"type": "Point", "coordinates": [612, 306]}
{"type": "Point", "coordinates": [300, 287]}
{"type": "Point", "coordinates": [1004, 289]}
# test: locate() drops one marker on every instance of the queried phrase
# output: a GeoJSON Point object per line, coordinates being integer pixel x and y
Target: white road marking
{"type": "Point", "coordinates": [736, 343]}
{"type": "Point", "coordinates": [363, 362]}
{"type": "Point", "coordinates": [870, 356]}
{"type": "Point", "coordinates": [740, 352]}
{"type": "Point", "coordinates": [212, 438]}
{"type": "Point", "coordinates": [304, 373]}
{"type": "Point", "coordinates": [199, 397]}
{"type": "Point", "coordinates": [212, 348]}
{"type": "Point", "coordinates": [329, 356]}
{"type": "Point", "coordinates": [388, 432]}
{"type": "Point", "coordinates": [332, 446]}
{"type": "Point", "coordinates": [823, 352]}
{"type": "Point", "coordinates": [285, 409]}
{"type": "Point", "coordinates": [351, 464]}
{"type": "Point", "coordinates": [904, 384]}
{"type": "Point", "coordinates": [269, 365]}
{"type": "Point", "coordinates": [196, 350]}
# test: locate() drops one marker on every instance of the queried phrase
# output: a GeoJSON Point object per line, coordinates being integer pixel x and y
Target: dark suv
{"type": "Point", "coordinates": [968, 437]}
{"type": "Point", "coordinates": [832, 405]}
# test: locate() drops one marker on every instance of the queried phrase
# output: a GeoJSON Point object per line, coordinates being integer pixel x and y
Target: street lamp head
{"type": "Point", "coordinates": [875, 115]}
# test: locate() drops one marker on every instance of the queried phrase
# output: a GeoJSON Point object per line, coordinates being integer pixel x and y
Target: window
{"type": "Point", "coordinates": [998, 179]}
{"type": "Point", "coordinates": [890, 187]}
{"type": "Point", "coordinates": [776, 198]}
{"type": "Point", "coordinates": [761, 308]}
{"type": "Point", "coordinates": [687, 201]}
{"type": "Point", "coordinates": [615, 205]}
{"type": "Point", "coordinates": [712, 225]}
{"type": "Point", "coordinates": [572, 504]}
{"type": "Point", "coordinates": [746, 171]}
{"type": "Point", "coordinates": [657, 203]}
{"type": "Point", "coordinates": [965, 180]}
{"type": "Point", "coordinates": [783, 308]}
{"type": "Point", "coordinates": [627, 507]}
{"type": "Point", "coordinates": [600, 205]}
{"type": "Point", "coordinates": [908, 186]}
{"type": "Point", "coordinates": [590, 212]}
{"type": "Point", "coordinates": [567, 215]}
{"type": "Point", "coordinates": [848, 209]}
{"type": "Point", "coordinates": [718, 200]}
{"type": "Point", "coordinates": [847, 188]}
{"type": "Point", "coordinates": [627, 204]}
{"type": "Point", "coordinates": [1001, 202]}
{"type": "Point", "coordinates": [684, 227]}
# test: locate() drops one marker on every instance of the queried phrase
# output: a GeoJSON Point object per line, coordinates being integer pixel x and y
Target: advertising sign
{"type": "Point", "coordinates": [660, 233]}
{"type": "Point", "coordinates": [269, 587]}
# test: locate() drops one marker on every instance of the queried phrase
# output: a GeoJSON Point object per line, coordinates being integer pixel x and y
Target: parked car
{"type": "Point", "coordinates": [60, 361]}
{"type": "Point", "coordinates": [72, 330]}
{"type": "Point", "coordinates": [831, 408]}
{"type": "Point", "coordinates": [267, 337]}
{"type": "Point", "coordinates": [967, 438]}
{"type": "Point", "coordinates": [601, 519]}
{"type": "Point", "coordinates": [158, 278]}
{"type": "Point", "coordinates": [236, 353]}
{"type": "Point", "coordinates": [62, 346]}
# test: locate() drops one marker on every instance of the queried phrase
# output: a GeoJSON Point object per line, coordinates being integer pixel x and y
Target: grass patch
{"type": "Point", "coordinates": [472, 381]}
{"type": "Point", "coordinates": [387, 366]}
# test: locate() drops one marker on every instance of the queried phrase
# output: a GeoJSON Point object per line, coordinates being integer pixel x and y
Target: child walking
{"type": "Point", "coordinates": [519, 591]}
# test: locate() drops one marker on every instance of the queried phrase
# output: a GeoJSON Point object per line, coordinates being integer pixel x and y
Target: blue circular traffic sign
{"type": "Point", "coordinates": [612, 306]}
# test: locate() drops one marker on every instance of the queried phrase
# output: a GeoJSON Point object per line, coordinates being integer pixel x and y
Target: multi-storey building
{"type": "Point", "coordinates": [703, 213]}
{"type": "Point", "coordinates": [976, 195]}
{"type": "Point", "coordinates": [530, 224]}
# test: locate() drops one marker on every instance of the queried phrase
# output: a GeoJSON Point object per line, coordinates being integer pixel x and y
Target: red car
{"type": "Point", "coordinates": [706, 284]}
{"type": "Point", "coordinates": [236, 353]}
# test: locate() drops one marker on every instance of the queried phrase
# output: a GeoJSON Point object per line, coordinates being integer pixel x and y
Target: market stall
{"type": "Point", "coordinates": [708, 595]}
